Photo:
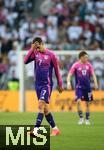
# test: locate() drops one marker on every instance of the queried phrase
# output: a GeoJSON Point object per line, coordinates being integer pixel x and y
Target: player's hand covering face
{"type": "Point", "coordinates": [35, 45]}
{"type": "Point", "coordinates": [39, 46]}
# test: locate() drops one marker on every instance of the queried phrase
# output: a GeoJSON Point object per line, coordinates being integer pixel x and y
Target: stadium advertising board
{"type": "Point", "coordinates": [9, 101]}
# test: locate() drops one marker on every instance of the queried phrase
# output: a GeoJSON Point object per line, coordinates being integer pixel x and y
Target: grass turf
{"type": "Point", "coordinates": [73, 136]}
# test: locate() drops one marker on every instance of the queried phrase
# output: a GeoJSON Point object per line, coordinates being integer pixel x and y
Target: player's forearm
{"type": "Point", "coordinates": [27, 58]}
{"type": "Point", "coordinates": [95, 79]}
{"type": "Point", "coordinates": [60, 82]}
{"type": "Point", "coordinates": [69, 78]}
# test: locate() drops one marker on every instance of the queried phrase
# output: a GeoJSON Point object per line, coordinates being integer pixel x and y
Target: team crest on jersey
{"type": "Point", "coordinates": [87, 67]}
{"type": "Point", "coordinates": [46, 57]}
{"type": "Point", "coordinates": [79, 68]}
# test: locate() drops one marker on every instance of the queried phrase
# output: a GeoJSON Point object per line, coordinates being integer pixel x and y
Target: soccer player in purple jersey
{"type": "Point", "coordinates": [44, 62]}
{"type": "Point", "coordinates": [83, 70]}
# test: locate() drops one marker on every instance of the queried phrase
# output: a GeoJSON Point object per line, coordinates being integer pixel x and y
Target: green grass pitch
{"type": "Point", "coordinates": [73, 136]}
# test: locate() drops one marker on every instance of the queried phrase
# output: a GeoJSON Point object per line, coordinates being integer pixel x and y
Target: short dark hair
{"type": "Point", "coordinates": [82, 53]}
{"type": "Point", "coordinates": [37, 39]}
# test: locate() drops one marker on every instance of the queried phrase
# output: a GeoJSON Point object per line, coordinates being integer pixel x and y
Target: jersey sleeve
{"type": "Point", "coordinates": [91, 69]}
{"type": "Point", "coordinates": [56, 68]}
{"type": "Point", "coordinates": [72, 69]}
{"type": "Point", "coordinates": [29, 57]}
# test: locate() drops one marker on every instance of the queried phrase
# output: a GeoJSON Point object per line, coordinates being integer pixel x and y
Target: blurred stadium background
{"type": "Point", "coordinates": [66, 26]}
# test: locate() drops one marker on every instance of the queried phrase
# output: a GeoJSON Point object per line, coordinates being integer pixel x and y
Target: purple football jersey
{"type": "Point", "coordinates": [44, 62]}
{"type": "Point", "coordinates": [82, 73]}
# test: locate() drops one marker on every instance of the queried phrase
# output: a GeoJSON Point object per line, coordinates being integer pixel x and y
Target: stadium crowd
{"type": "Point", "coordinates": [63, 25]}
{"type": "Point", "coordinates": [74, 24]}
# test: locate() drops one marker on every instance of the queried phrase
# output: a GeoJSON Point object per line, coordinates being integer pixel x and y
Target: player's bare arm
{"type": "Point", "coordinates": [95, 81]}
{"type": "Point", "coordinates": [69, 87]}
{"type": "Point", "coordinates": [31, 53]}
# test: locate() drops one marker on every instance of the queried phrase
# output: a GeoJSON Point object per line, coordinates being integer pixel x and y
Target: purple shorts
{"type": "Point", "coordinates": [43, 92]}
{"type": "Point", "coordinates": [85, 95]}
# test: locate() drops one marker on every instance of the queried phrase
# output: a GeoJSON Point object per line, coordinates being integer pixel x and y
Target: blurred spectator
{"type": "Point", "coordinates": [74, 31]}
{"type": "Point", "coordinates": [95, 45]}
{"type": "Point", "coordinates": [62, 32]}
{"type": "Point", "coordinates": [87, 34]}
{"type": "Point", "coordinates": [5, 46]}
{"type": "Point", "coordinates": [13, 83]}
{"type": "Point", "coordinates": [46, 6]}
{"type": "Point", "coordinates": [65, 45]}
{"type": "Point", "coordinates": [52, 32]}
{"type": "Point", "coordinates": [98, 64]}
{"type": "Point", "coordinates": [3, 72]}
{"type": "Point", "coordinates": [13, 57]}
{"type": "Point", "coordinates": [81, 20]}
{"type": "Point", "coordinates": [98, 35]}
{"type": "Point", "coordinates": [10, 3]}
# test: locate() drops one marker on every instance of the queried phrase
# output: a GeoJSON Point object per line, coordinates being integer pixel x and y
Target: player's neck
{"type": "Point", "coordinates": [43, 50]}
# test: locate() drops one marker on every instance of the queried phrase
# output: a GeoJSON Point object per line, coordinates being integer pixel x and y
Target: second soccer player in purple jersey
{"type": "Point", "coordinates": [44, 63]}
{"type": "Point", "coordinates": [83, 70]}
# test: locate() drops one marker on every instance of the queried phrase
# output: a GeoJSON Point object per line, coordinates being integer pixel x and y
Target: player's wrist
{"type": "Point", "coordinates": [68, 83]}
{"type": "Point", "coordinates": [32, 48]}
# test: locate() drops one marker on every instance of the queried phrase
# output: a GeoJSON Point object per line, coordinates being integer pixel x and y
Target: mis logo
{"type": "Point", "coordinates": [17, 137]}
